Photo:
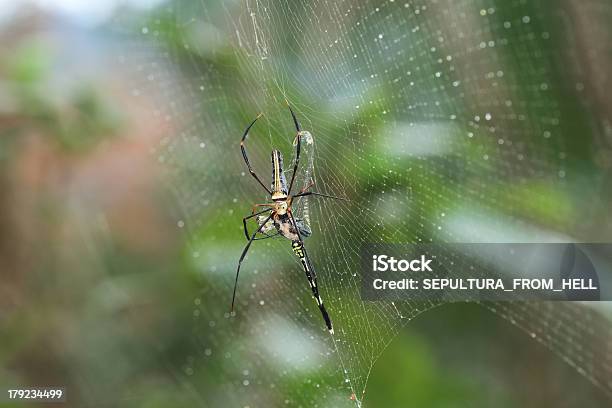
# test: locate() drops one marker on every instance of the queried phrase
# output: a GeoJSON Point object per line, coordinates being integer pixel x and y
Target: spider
{"type": "Point", "coordinates": [279, 215]}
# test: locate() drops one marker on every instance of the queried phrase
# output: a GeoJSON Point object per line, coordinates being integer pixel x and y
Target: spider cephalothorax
{"type": "Point", "coordinates": [279, 215]}
{"type": "Point", "coordinates": [282, 206]}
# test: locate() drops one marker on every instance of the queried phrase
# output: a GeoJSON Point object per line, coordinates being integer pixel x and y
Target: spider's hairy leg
{"type": "Point", "coordinates": [303, 190]}
{"type": "Point", "coordinates": [295, 121]}
{"type": "Point", "coordinates": [244, 252]}
{"type": "Point", "coordinates": [246, 158]}
{"type": "Point", "coordinates": [255, 206]}
{"type": "Point", "coordinates": [300, 251]}
{"type": "Point", "coordinates": [307, 193]}
{"type": "Point", "coordinates": [253, 214]}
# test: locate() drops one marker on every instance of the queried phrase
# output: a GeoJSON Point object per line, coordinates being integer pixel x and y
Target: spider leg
{"type": "Point", "coordinates": [244, 252]}
{"type": "Point", "coordinates": [246, 230]}
{"type": "Point", "coordinates": [295, 121]}
{"type": "Point", "coordinates": [244, 220]}
{"type": "Point", "coordinates": [246, 158]}
{"type": "Point", "coordinates": [303, 190]}
{"type": "Point", "coordinates": [307, 193]}
{"type": "Point", "coordinates": [298, 148]}
{"type": "Point", "coordinates": [276, 234]}
{"type": "Point", "coordinates": [260, 205]}
{"type": "Point", "coordinates": [300, 251]}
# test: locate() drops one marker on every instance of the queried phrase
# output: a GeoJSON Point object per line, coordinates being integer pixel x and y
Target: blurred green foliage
{"type": "Point", "coordinates": [78, 122]}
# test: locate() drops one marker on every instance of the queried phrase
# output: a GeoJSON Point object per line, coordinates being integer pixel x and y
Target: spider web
{"type": "Point", "coordinates": [441, 121]}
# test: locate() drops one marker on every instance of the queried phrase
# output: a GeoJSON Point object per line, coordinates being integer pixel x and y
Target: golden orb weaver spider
{"type": "Point", "coordinates": [281, 215]}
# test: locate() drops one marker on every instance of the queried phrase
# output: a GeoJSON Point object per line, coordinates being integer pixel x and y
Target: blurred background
{"type": "Point", "coordinates": [123, 190]}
